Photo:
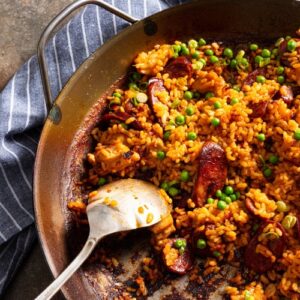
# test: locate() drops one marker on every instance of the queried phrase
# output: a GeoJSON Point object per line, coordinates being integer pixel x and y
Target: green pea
{"type": "Point", "coordinates": [216, 254]}
{"type": "Point", "coordinates": [280, 79]}
{"type": "Point", "coordinates": [196, 54]}
{"type": "Point", "coordinates": [192, 136]}
{"type": "Point", "coordinates": [197, 65]}
{"type": "Point", "coordinates": [258, 59]}
{"type": "Point", "coordinates": [201, 244]}
{"type": "Point", "coordinates": [179, 243]}
{"type": "Point", "coordinates": [193, 44]}
{"type": "Point", "coordinates": [219, 193]}
{"type": "Point", "coordinates": [209, 52]}
{"type": "Point", "coordinates": [228, 200]}
{"type": "Point", "coordinates": [297, 134]}
{"type": "Point", "coordinates": [185, 50]}
{"type": "Point", "coordinates": [201, 42]}
{"type": "Point", "coordinates": [228, 190]}
{"type": "Point", "coordinates": [221, 204]}
{"type": "Point", "coordinates": [233, 197]}
{"type": "Point", "coordinates": [280, 70]}
{"type": "Point", "coordinates": [253, 47]}
{"type": "Point", "coordinates": [238, 194]}
{"type": "Point", "coordinates": [228, 53]}
{"type": "Point", "coordinates": [267, 172]}
{"type": "Point", "coordinates": [281, 206]}
{"type": "Point", "coordinates": [210, 200]}
{"type": "Point", "coordinates": [215, 122]}
{"type": "Point", "coordinates": [243, 62]}
{"type": "Point", "coordinates": [209, 95]}
{"type": "Point", "coordinates": [291, 45]}
{"type": "Point", "coordinates": [273, 159]}
{"type": "Point", "coordinates": [261, 137]}
{"type": "Point", "coordinates": [190, 110]}
{"type": "Point", "coordinates": [180, 120]}
{"type": "Point", "coordinates": [214, 59]}
{"type": "Point", "coordinates": [260, 79]}
{"type": "Point", "coordinates": [102, 181]}
{"type": "Point", "coordinates": [173, 191]}
{"type": "Point", "coordinates": [203, 61]}
{"type": "Point", "coordinates": [233, 64]}
{"type": "Point", "coordinates": [289, 222]}
{"type": "Point", "coordinates": [165, 186]}
{"type": "Point", "coordinates": [265, 53]}
{"type": "Point", "coordinates": [223, 197]}
{"type": "Point", "coordinates": [217, 105]}
{"type": "Point", "coordinates": [166, 135]}
{"type": "Point", "coordinates": [275, 52]}
{"type": "Point", "coordinates": [176, 48]}
{"type": "Point", "coordinates": [234, 101]}
{"type": "Point", "coordinates": [188, 95]}
{"type": "Point", "coordinates": [160, 155]}
{"type": "Point", "coordinates": [184, 176]}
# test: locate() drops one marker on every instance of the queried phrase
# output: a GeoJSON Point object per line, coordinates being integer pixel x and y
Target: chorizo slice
{"type": "Point", "coordinates": [286, 93]}
{"type": "Point", "coordinates": [176, 262]}
{"type": "Point", "coordinates": [259, 109]}
{"type": "Point", "coordinates": [258, 262]}
{"type": "Point", "coordinates": [179, 67]}
{"type": "Point", "coordinates": [212, 172]}
{"type": "Point", "coordinates": [155, 85]}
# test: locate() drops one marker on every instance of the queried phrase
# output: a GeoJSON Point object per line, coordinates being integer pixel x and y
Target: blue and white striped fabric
{"type": "Point", "coordinates": [22, 113]}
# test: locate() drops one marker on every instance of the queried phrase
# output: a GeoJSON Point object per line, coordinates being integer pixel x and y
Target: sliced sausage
{"type": "Point", "coordinates": [155, 85]}
{"type": "Point", "coordinates": [184, 262]}
{"type": "Point", "coordinates": [259, 109]}
{"type": "Point", "coordinates": [251, 78]}
{"type": "Point", "coordinates": [285, 93]}
{"type": "Point", "coordinates": [212, 172]}
{"type": "Point", "coordinates": [258, 262]}
{"type": "Point", "coordinates": [179, 67]}
{"type": "Point", "coordinates": [121, 117]}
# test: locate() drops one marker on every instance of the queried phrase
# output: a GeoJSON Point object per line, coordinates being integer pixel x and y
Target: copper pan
{"type": "Point", "coordinates": [64, 140]}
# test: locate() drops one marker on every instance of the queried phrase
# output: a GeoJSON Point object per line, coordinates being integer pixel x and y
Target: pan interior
{"type": "Point", "coordinates": [63, 146]}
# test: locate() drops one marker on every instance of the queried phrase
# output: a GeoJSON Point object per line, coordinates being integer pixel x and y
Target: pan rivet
{"type": "Point", "coordinates": [150, 27]}
{"type": "Point", "coordinates": [55, 114]}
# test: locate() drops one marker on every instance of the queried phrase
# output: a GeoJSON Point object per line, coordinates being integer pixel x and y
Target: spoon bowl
{"type": "Point", "coordinates": [122, 205]}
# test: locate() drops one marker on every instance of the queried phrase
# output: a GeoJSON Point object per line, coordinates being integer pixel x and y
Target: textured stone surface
{"type": "Point", "coordinates": [21, 23]}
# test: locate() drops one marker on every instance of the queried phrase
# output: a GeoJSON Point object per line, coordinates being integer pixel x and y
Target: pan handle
{"type": "Point", "coordinates": [51, 26]}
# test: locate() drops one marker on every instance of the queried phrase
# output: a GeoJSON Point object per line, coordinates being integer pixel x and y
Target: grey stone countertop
{"type": "Point", "coordinates": [21, 23]}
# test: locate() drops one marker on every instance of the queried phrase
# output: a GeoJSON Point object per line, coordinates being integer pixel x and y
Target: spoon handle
{"type": "Point", "coordinates": [53, 288]}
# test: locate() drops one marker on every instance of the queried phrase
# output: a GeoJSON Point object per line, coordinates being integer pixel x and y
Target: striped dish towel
{"type": "Point", "coordinates": [22, 113]}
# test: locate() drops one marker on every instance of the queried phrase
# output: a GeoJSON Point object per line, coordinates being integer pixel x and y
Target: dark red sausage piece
{"type": "Point", "coordinates": [286, 94]}
{"type": "Point", "coordinates": [184, 262]}
{"type": "Point", "coordinates": [212, 172]}
{"type": "Point", "coordinates": [179, 67]}
{"type": "Point", "coordinates": [251, 78]}
{"type": "Point", "coordinates": [250, 206]}
{"type": "Point", "coordinates": [154, 85]}
{"type": "Point", "coordinates": [258, 109]}
{"type": "Point", "coordinates": [122, 117]}
{"type": "Point", "coordinates": [256, 261]}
